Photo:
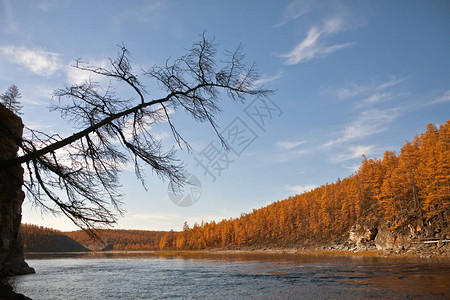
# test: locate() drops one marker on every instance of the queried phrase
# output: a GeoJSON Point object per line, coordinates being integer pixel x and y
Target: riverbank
{"type": "Point", "coordinates": [401, 250]}
{"type": "Point", "coordinates": [325, 251]}
{"type": "Point", "coordinates": [422, 250]}
{"type": "Point", "coordinates": [319, 251]}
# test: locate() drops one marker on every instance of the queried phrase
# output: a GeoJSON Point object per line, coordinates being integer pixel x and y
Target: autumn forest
{"type": "Point", "coordinates": [409, 189]}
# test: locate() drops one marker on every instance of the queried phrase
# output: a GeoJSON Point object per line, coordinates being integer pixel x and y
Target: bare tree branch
{"type": "Point", "coordinates": [79, 173]}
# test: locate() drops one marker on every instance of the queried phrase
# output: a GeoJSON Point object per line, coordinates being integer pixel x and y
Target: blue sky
{"type": "Point", "coordinates": [351, 78]}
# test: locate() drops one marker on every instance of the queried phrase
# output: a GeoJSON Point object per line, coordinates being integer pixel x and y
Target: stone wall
{"type": "Point", "coordinates": [11, 197]}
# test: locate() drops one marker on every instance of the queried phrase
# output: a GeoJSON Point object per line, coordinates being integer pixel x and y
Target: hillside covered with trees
{"type": "Point", "coordinates": [407, 194]}
{"type": "Point", "coordinates": [119, 239]}
{"type": "Point", "coordinates": [42, 239]}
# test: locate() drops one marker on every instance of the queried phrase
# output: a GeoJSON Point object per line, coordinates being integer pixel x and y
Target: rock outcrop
{"type": "Point", "coordinates": [417, 240]}
{"type": "Point", "coordinates": [11, 197]}
{"type": "Point", "coordinates": [375, 235]}
{"type": "Point", "coordinates": [7, 292]}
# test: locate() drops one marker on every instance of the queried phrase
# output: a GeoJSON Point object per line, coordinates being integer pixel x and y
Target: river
{"type": "Point", "coordinates": [233, 276]}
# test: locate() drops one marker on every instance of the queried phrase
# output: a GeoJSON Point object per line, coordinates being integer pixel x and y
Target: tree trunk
{"type": "Point", "coordinates": [11, 197]}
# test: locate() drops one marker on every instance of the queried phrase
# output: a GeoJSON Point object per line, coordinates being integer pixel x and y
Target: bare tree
{"type": "Point", "coordinates": [79, 173]}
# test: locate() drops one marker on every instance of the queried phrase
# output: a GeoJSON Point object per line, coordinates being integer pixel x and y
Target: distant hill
{"type": "Point", "coordinates": [119, 239]}
{"type": "Point", "coordinates": [42, 239]}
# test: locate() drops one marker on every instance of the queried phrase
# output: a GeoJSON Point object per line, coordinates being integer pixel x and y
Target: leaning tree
{"type": "Point", "coordinates": [78, 175]}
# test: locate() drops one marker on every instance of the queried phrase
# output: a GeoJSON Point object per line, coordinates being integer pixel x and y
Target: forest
{"type": "Point", "coordinates": [42, 239]}
{"type": "Point", "coordinates": [120, 239]}
{"type": "Point", "coordinates": [408, 191]}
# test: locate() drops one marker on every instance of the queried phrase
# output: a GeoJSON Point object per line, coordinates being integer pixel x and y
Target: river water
{"type": "Point", "coordinates": [233, 276]}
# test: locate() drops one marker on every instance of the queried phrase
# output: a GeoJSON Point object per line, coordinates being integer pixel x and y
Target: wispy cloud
{"type": "Point", "coordinates": [300, 189]}
{"type": "Point", "coordinates": [293, 153]}
{"type": "Point", "coordinates": [295, 9]}
{"type": "Point", "coordinates": [36, 60]}
{"type": "Point", "coordinates": [354, 90]}
{"type": "Point", "coordinates": [351, 91]}
{"type": "Point", "coordinates": [376, 99]}
{"type": "Point", "coordinates": [162, 135]}
{"type": "Point", "coordinates": [352, 153]}
{"type": "Point", "coordinates": [369, 118]}
{"type": "Point", "coordinates": [369, 122]}
{"type": "Point", "coordinates": [77, 76]}
{"type": "Point", "coordinates": [314, 45]}
{"type": "Point", "coordinates": [266, 78]}
{"type": "Point", "coordinates": [392, 82]}
{"type": "Point", "coordinates": [289, 145]}
{"type": "Point", "coordinates": [444, 98]}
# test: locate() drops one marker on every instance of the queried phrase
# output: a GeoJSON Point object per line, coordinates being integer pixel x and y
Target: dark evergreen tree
{"type": "Point", "coordinates": [11, 99]}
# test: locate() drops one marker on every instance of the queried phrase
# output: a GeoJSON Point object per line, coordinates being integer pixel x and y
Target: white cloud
{"type": "Point", "coordinates": [77, 76]}
{"type": "Point", "coordinates": [300, 189]}
{"type": "Point", "coordinates": [314, 44]}
{"type": "Point", "coordinates": [393, 82]}
{"type": "Point", "coordinates": [266, 79]}
{"type": "Point", "coordinates": [289, 145]}
{"type": "Point", "coordinates": [299, 8]}
{"type": "Point", "coordinates": [36, 60]}
{"type": "Point", "coordinates": [163, 135]}
{"type": "Point", "coordinates": [375, 99]}
{"type": "Point", "coordinates": [333, 25]}
{"type": "Point", "coordinates": [354, 90]}
{"type": "Point", "coordinates": [296, 9]}
{"type": "Point", "coordinates": [352, 153]}
{"type": "Point", "coordinates": [292, 154]}
{"type": "Point", "coordinates": [444, 98]}
{"type": "Point", "coordinates": [370, 119]}
{"type": "Point", "coordinates": [369, 122]}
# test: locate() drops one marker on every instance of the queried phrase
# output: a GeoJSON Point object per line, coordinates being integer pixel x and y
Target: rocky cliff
{"type": "Point", "coordinates": [423, 240]}
{"type": "Point", "coordinates": [11, 197]}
